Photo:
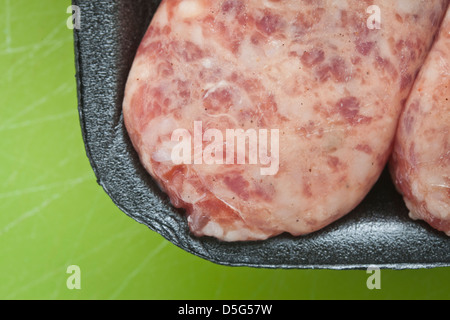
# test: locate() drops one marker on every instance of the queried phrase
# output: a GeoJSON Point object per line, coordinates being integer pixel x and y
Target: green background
{"type": "Point", "coordinates": [53, 214]}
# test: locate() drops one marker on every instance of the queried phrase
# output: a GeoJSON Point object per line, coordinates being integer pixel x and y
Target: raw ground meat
{"type": "Point", "coordinates": [420, 163]}
{"type": "Point", "coordinates": [311, 71]}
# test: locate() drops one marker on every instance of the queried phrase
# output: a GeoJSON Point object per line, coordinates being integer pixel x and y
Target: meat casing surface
{"type": "Point", "coordinates": [317, 71]}
{"type": "Point", "coordinates": [421, 160]}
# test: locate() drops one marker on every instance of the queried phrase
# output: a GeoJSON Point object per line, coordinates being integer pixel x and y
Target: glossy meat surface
{"type": "Point", "coordinates": [421, 161]}
{"type": "Point", "coordinates": [325, 85]}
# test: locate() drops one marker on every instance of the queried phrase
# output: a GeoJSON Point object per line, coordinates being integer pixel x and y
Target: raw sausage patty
{"type": "Point", "coordinates": [315, 86]}
{"type": "Point", "coordinates": [421, 161]}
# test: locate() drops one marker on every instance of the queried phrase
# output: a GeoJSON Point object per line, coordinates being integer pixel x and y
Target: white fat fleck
{"type": "Point", "coordinates": [207, 63]}
{"type": "Point", "coordinates": [433, 72]}
{"type": "Point", "coordinates": [297, 47]}
{"type": "Point", "coordinates": [250, 55]}
{"type": "Point", "coordinates": [415, 189]}
{"type": "Point", "coordinates": [212, 87]}
{"type": "Point", "coordinates": [190, 8]}
{"type": "Point", "coordinates": [235, 235]}
{"type": "Point", "coordinates": [164, 152]}
{"type": "Point", "coordinates": [413, 216]}
{"type": "Point", "coordinates": [274, 48]}
{"type": "Point", "coordinates": [161, 17]}
{"type": "Point", "coordinates": [444, 65]}
{"type": "Point", "coordinates": [161, 156]}
{"type": "Point", "coordinates": [332, 139]}
{"type": "Point", "coordinates": [158, 127]}
{"type": "Point", "coordinates": [289, 67]}
{"type": "Point", "coordinates": [140, 69]}
{"type": "Point", "coordinates": [384, 48]}
{"type": "Point", "coordinates": [270, 4]}
{"type": "Point", "coordinates": [196, 35]}
{"type": "Point", "coordinates": [241, 233]}
{"type": "Point", "coordinates": [408, 6]}
{"type": "Point", "coordinates": [340, 4]}
{"type": "Point", "coordinates": [166, 126]}
{"type": "Point", "coordinates": [213, 229]}
{"type": "Point", "coordinates": [362, 167]}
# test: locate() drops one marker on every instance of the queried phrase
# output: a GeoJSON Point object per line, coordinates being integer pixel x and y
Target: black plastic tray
{"type": "Point", "coordinates": [378, 233]}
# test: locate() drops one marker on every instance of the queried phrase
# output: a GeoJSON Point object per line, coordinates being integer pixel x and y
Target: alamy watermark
{"type": "Point", "coordinates": [374, 21]}
{"type": "Point", "coordinates": [74, 21]}
{"type": "Point", "coordinates": [374, 281]}
{"type": "Point", "coordinates": [236, 146]}
{"type": "Point", "coordinates": [73, 282]}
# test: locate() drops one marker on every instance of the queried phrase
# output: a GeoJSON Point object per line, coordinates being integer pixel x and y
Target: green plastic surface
{"type": "Point", "coordinates": [53, 214]}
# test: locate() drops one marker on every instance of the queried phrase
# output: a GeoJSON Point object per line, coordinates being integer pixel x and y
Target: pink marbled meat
{"type": "Point", "coordinates": [421, 160]}
{"type": "Point", "coordinates": [333, 87]}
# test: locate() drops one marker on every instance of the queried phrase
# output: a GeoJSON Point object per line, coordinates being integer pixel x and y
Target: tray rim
{"type": "Point", "coordinates": [89, 152]}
